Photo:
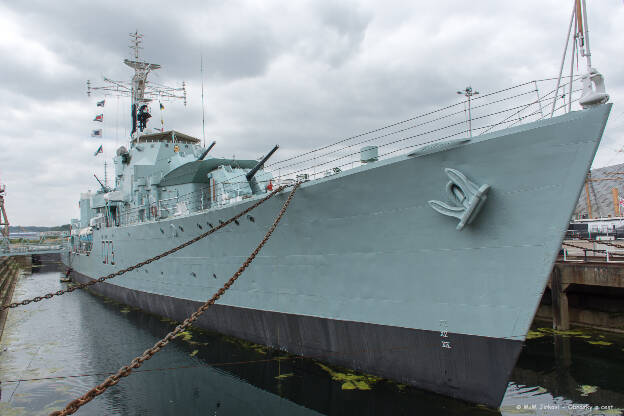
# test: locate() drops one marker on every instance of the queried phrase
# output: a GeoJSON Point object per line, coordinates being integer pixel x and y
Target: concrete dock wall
{"type": "Point", "coordinates": [587, 293]}
{"type": "Point", "coordinates": [9, 271]}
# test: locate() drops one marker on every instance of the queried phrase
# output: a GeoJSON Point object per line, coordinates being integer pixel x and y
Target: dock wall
{"type": "Point", "coordinates": [588, 293]}
{"type": "Point", "coordinates": [9, 271]}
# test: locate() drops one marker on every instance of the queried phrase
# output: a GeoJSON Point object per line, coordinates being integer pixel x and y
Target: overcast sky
{"type": "Point", "coordinates": [299, 74]}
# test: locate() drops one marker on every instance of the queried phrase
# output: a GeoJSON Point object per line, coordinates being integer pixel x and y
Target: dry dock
{"type": "Point", "coordinates": [54, 350]}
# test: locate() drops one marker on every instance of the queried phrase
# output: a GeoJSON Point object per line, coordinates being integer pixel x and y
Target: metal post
{"type": "Point", "coordinates": [468, 92]}
{"type": "Point", "coordinates": [587, 51]}
{"type": "Point", "coordinates": [571, 71]}
{"type": "Point", "coordinates": [565, 50]}
{"type": "Point", "coordinates": [539, 100]}
{"type": "Point", "coordinates": [469, 118]}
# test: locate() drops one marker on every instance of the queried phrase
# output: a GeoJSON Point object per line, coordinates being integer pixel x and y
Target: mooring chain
{"type": "Point", "coordinates": [146, 262]}
{"type": "Point", "coordinates": [125, 371]}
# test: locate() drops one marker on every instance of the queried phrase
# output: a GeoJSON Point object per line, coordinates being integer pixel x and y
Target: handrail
{"type": "Point", "coordinates": [493, 111]}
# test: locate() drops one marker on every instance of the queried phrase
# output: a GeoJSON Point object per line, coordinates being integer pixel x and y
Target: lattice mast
{"type": "Point", "coordinates": [139, 89]}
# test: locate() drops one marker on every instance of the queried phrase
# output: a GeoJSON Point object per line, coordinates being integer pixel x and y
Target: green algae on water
{"type": "Point", "coordinates": [586, 390]}
{"type": "Point", "coordinates": [186, 335]}
{"type": "Point", "coordinates": [600, 342]}
{"type": "Point", "coordinates": [350, 380]}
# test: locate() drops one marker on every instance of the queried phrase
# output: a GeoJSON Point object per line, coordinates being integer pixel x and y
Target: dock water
{"type": "Point", "coordinates": [55, 350]}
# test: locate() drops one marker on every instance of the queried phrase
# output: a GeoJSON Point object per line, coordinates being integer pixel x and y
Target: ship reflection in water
{"type": "Point", "coordinates": [54, 351]}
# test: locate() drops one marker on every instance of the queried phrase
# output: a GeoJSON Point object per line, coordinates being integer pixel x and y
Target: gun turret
{"type": "Point", "coordinates": [255, 169]}
{"type": "Point", "coordinates": [203, 155]}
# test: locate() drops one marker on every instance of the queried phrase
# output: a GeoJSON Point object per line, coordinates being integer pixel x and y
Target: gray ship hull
{"type": "Point", "coordinates": [362, 272]}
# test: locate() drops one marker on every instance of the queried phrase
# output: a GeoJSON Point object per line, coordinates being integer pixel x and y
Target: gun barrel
{"type": "Point", "coordinates": [101, 184]}
{"type": "Point", "coordinates": [203, 155]}
{"type": "Point", "coordinates": [255, 169]}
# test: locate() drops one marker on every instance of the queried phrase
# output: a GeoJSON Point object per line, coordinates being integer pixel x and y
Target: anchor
{"type": "Point", "coordinates": [465, 198]}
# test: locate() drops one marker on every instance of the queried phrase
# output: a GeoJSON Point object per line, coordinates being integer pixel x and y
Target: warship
{"type": "Point", "coordinates": [422, 261]}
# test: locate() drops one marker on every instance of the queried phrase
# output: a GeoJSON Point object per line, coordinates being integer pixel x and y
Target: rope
{"type": "Point", "coordinates": [125, 371]}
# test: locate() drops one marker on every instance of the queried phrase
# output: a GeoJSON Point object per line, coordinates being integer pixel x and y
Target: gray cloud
{"type": "Point", "coordinates": [299, 74]}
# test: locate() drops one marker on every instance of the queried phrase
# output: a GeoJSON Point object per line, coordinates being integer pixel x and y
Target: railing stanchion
{"type": "Point", "coordinates": [539, 100]}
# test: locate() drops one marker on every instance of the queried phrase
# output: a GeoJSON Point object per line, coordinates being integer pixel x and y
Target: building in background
{"type": "Point", "coordinates": [599, 212]}
{"type": "Point", "coordinates": [603, 194]}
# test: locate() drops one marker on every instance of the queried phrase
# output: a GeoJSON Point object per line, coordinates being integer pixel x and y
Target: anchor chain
{"type": "Point", "coordinates": [125, 371]}
{"type": "Point", "coordinates": [143, 263]}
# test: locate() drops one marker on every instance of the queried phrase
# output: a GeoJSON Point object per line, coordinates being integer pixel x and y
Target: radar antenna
{"type": "Point", "coordinates": [139, 89]}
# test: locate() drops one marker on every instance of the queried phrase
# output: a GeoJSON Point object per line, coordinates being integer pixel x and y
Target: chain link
{"type": "Point", "coordinates": [125, 371]}
{"type": "Point", "coordinates": [146, 262]}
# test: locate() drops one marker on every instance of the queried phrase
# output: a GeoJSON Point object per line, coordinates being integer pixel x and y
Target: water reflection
{"type": "Point", "coordinates": [568, 372]}
{"type": "Point", "coordinates": [81, 338]}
